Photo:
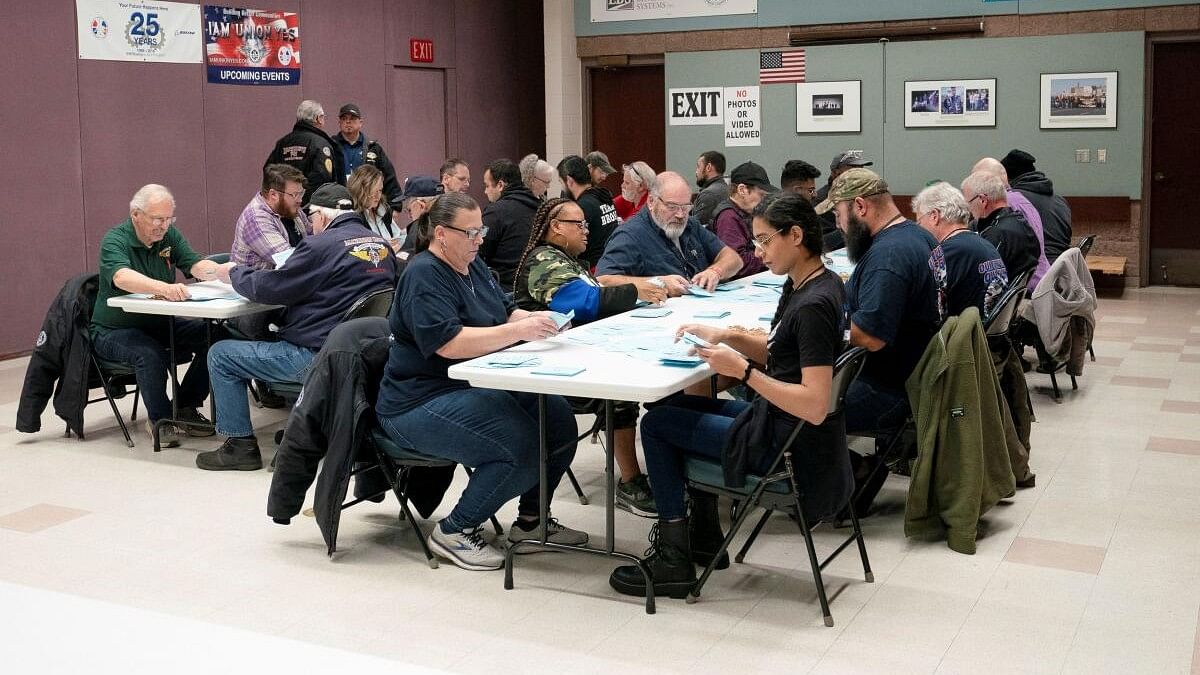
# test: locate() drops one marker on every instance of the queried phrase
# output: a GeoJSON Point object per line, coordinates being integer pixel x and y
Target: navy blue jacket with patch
{"type": "Point", "coordinates": [322, 279]}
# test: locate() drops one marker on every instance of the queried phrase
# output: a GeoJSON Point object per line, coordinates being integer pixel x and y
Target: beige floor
{"type": "Point", "coordinates": [122, 560]}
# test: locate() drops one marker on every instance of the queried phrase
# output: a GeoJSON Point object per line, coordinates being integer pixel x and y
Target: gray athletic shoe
{"type": "Point", "coordinates": [466, 549]}
{"type": "Point", "coordinates": [636, 497]}
{"type": "Point", "coordinates": [168, 434]}
{"type": "Point", "coordinates": [556, 534]}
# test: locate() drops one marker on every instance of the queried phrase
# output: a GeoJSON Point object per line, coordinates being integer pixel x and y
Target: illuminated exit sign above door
{"type": "Point", "coordinates": [420, 51]}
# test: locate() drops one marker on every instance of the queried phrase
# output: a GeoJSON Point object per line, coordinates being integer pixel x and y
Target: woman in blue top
{"type": "Point", "coordinates": [449, 308]}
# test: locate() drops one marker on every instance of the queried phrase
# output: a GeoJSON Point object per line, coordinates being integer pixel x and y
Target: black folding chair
{"type": "Point", "coordinates": [111, 377]}
{"type": "Point", "coordinates": [777, 490]}
{"type": "Point", "coordinates": [1085, 247]}
{"type": "Point", "coordinates": [396, 462]}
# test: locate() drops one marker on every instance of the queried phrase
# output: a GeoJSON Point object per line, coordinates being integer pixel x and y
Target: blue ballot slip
{"type": "Point", "coordinates": [650, 312]}
{"type": "Point", "coordinates": [561, 319]}
{"type": "Point", "coordinates": [681, 361]}
{"type": "Point", "coordinates": [712, 314]}
{"type": "Point", "coordinates": [560, 371]}
{"type": "Point", "coordinates": [771, 281]}
{"type": "Point", "coordinates": [699, 291]}
{"type": "Point", "coordinates": [729, 286]}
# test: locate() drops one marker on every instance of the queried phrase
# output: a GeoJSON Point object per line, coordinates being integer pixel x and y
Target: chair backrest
{"type": "Point", "coordinates": [845, 370]}
{"type": "Point", "coordinates": [1085, 244]}
{"type": "Point", "coordinates": [219, 258]}
{"type": "Point", "coordinates": [375, 303]}
{"type": "Point", "coordinates": [1005, 309]}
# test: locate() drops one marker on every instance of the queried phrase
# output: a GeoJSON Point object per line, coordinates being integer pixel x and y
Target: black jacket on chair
{"type": "Point", "coordinates": [60, 355]}
{"type": "Point", "coordinates": [331, 421]}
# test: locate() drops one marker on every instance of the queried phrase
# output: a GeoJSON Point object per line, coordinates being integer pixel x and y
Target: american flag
{"type": "Point", "coordinates": [781, 67]}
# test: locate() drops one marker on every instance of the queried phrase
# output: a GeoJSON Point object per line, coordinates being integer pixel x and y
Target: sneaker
{"type": "Point", "coordinates": [466, 549]}
{"type": "Point", "coordinates": [268, 398]}
{"type": "Point", "coordinates": [168, 434]}
{"type": "Point", "coordinates": [196, 424]}
{"type": "Point", "coordinates": [235, 454]}
{"type": "Point", "coordinates": [635, 497]}
{"type": "Point", "coordinates": [556, 534]}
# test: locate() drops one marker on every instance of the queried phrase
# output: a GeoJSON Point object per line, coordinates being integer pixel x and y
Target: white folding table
{"type": "Point", "coordinates": [227, 306]}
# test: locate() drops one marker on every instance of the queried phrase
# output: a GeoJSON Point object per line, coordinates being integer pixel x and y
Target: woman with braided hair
{"type": "Point", "coordinates": [550, 275]}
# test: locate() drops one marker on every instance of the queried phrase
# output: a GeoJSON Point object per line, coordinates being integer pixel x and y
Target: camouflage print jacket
{"type": "Point", "coordinates": [552, 279]}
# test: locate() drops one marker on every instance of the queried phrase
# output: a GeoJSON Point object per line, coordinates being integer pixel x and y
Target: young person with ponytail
{"type": "Point", "coordinates": [449, 308]}
{"type": "Point", "coordinates": [791, 370]}
{"type": "Point", "coordinates": [550, 275]}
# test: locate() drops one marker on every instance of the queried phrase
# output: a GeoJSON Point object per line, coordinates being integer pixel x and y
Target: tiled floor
{"type": "Point", "coordinates": [123, 560]}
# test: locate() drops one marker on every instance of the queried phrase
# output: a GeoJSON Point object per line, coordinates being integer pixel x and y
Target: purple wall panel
{"type": "Point", "coordinates": [105, 128]}
{"type": "Point", "coordinates": [41, 226]}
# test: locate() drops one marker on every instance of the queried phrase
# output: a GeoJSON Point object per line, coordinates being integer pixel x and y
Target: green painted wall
{"type": "Point", "coordinates": [908, 158]}
{"type": "Point", "coordinates": [809, 12]}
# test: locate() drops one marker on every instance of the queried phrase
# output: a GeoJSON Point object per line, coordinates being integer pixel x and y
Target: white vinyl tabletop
{"type": "Point", "coordinates": [620, 355]}
{"type": "Point", "coordinates": [210, 300]}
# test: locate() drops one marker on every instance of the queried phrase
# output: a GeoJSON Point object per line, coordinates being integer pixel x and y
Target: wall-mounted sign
{"type": "Point", "coordinates": [743, 117]}
{"type": "Point", "coordinates": [635, 10]}
{"type": "Point", "coordinates": [693, 107]}
{"type": "Point", "coordinates": [420, 51]}
{"type": "Point", "coordinates": [252, 46]}
{"type": "Point", "coordinates": [121, 30]}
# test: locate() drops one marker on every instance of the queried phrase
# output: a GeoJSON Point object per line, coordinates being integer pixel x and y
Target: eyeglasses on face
{"type": "Point", "coordinates": [760, 243]}
{"type": "Point", "coordinates": [294, 195]}
{"type": "Point", "coordinates": [159, 221]}
{"type": "Point", "coordinates": [675, 208]}
{"type": "Point", "coordinates": [472, 233]}
{"type": "Point", "coordinates": [581, 224]}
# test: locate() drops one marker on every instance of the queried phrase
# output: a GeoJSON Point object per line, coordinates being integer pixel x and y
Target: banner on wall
{"type": "Point", "coordinates": [122, 30]}
{"type": "Point", "coordinates": [695, 106]}
{"type": "Point", "coordinates": [636, 10]}
{"type": "Point", "coordinates": [252, 46]}
{"type": "Point", "coordinates": [743, 117]}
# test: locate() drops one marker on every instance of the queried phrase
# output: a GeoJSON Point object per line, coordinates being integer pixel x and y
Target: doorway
{"type": "Point", "coordinates": [627, 114]}
{"type": "Point", "coordinates": [1173, 180]}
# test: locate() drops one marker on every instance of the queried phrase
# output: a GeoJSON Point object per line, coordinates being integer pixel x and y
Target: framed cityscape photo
{"type": "Point", "coordinates": [829, 107]}
{"type": "Point", "coordinates": [1079, 100]}
{"type": "Point", "coordinates": [950, 103]}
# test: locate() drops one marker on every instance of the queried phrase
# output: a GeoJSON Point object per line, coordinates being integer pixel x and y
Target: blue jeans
{"type": "Point", "coordinates": [495, 433]}
{"type": "Point", "coordinates": [147, 351]}
{"type": "Point", "coordinates": [872, 408]}
{"type": "Point", "coordinates": [233, 363]}
{"type": "Point", "coordinates": [687, 425]}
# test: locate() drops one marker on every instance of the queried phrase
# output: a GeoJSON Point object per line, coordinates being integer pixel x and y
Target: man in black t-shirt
{"type": "Point", "coordinates": [596, 202]}
{"type": "Point", "coordinates": [891, 297]}
{"type": "Point", "coordinates": [967, 268]}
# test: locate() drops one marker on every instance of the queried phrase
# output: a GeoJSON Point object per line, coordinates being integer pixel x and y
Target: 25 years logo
{"type": "Point", "coordinates": [144, 33]}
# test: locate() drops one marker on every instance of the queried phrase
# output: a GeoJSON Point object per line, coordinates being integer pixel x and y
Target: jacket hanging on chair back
{"type": "Point", "coordinates": [962, 467]}
{"type": "Point", "coordinates": [60, 356]}
{"type": "Point", "coordinates": [1063, 308]}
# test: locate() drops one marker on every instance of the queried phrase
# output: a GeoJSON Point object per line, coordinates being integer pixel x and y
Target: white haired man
{"type": "Point", "coordinates": [967, 268]}
{"type": "Point", "coordinates": [142, 255]}
{"type": "Point", "coordinates": [308, 148]}
{"type": "Point", "coordinates": [1000, 224]}
{"type": "Point", "coordinates": [637, 180]}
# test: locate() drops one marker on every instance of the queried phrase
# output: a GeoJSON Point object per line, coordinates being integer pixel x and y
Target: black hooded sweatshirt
{"type": "Point", "coordinates": [1053, 209]}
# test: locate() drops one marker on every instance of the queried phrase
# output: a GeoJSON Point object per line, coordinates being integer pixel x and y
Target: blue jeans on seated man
{"type": "Point", "coordinates": [687, 425]}
{"type": "Point", "coordinates": [146, 350]}
{"type": "Point", "coordinates": [233, 363]}
{"type": "Point", "coordinates": [872, 408]}
{"type": "Point", "coordinates": [495, 433]}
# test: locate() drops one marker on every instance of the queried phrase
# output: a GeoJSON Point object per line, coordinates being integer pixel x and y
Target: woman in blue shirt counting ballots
{"type": "Point", "coordinates": [790, 368]}
{"type": "Point", "coordinates": [449, 308]}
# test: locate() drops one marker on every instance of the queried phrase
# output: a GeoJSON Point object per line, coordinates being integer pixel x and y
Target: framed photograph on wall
{"type": "Point", "coordinates": [1079, 100]}
{"type": "Point", "coordinates": [829, 107]}
{"type": "Point", "coordinates": [950, 103]}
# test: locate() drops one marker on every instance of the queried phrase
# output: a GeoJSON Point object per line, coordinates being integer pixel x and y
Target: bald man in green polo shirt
{"type": "Point", "coordinates": [142, 255]}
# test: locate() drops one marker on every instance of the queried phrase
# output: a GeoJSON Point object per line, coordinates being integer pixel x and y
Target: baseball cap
{"type": "Point", "coordinates": [849, 158]}
{"type": "Point", "coordinates": [600, 161]}
{"type": "Point", "coordinates": [753, 175]}
{"type": "Point", "coordinates": [331, 196]}
{"type": "Point", "coordinates": [350, 109]}
{"type": "Point", "coordinates": [1018, 163]}
{"type": "Point", "coordinates": [857, 182]}
{"type": "Point", "coordinates": [421, 186]}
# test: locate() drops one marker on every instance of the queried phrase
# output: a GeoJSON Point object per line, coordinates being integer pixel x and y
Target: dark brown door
{"type": "Point", "coordinates": [628, 118]}
{"type": "Point", "coordinates": [1174, 181]}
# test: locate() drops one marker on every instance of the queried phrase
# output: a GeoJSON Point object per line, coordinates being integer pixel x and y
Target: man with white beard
{"type": "Point", "coordinates": [662, 241]}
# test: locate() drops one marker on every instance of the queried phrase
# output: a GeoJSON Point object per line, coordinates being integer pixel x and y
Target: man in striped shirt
{"type": "Point", "coordinates": [272, 222]}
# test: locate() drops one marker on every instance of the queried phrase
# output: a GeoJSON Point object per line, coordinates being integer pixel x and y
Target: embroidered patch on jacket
{"type": "Point", "coordinates": [372, 252]}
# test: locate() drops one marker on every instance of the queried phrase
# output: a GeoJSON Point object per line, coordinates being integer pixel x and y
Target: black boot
{"type": "Point", "coordinates": [705, 532]}
{"type": "Point", "coordinates": [670, 562]}
{"type": "Point", "coordinates": [235, 454]}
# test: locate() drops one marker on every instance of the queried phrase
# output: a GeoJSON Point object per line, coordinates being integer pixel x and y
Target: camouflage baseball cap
{"type": "Point", "coordinates": [853, 183]}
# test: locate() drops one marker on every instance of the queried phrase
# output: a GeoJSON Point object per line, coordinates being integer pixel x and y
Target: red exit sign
{"type": "Point", "coordinates": [420, 51]}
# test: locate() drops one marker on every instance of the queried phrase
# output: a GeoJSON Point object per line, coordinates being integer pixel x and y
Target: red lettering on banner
{"type": "Point", "coordinates": [420, 51]}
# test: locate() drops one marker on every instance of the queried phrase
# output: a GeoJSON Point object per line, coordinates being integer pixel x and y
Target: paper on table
{"type": "Point", "coordinates": [282, 257]}
{"type": "Point", "coordinates": [199, 292]}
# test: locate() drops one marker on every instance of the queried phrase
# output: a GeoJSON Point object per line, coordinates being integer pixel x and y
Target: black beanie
{"type": "Point", "coordinates": [1018, 163]}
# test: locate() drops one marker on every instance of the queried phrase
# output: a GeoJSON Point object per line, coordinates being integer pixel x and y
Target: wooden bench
{"type": "Point", "coordinates": [1107, 264]}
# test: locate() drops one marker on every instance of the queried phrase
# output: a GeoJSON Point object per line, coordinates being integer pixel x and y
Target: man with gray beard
{"type": "Point", "coordinates": [663, 241]}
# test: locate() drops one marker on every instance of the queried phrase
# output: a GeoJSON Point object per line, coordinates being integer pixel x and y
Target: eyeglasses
{"type": "Point", "coordinates": [160, 220]}
{"type": "Point", "coordinates": [581, 224]}
{"type": "Point", "coordinates": [540, 179]}
{"type": "Point", "coordinates": [761, 244]}
{"type": "Point", "coordinates": [473, 233]}
{"type": "Point", "coordinates": [676, 208]}
{"type": "Point", "coordinates": [294, 195]}
{"type": "Point", "coordinates": [978, 196]}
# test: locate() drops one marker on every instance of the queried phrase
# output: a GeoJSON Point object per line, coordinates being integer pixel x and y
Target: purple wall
{"type": "Point", "coordinates": [82, 136]}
